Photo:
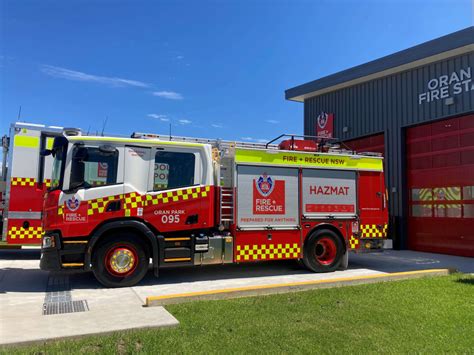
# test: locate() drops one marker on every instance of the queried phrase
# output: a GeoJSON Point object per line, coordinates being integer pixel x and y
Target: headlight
{"type": "Point", "coordinates": [48, 241]}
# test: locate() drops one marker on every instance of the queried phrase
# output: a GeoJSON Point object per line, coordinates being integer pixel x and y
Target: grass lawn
{"type": "Point", "coordinates": [421, 315]}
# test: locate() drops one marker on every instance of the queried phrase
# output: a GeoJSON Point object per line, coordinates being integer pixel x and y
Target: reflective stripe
{"type": "Point", "coordinates": [16, 232]}
{"type": "Point", "coordinates": [49, 143]}
{"type": "Point", "coordinates": [354, 242]}
{"type": "Point", "coordinates": [72, 264]}
{"type": "Point", "coordinates": [267, 251]}
{"type": "Point", "coordinates": [26, 141]}
{"type": "Point", "coordinates": [177, 259]}
{"type": "Point", "coordinates": [286, 158]}
{"type": "Point", "coordinates": [23, 181]}
{"type": "Point", "coordinates": [133, 200]}
{"type": "Point", "coordinates": [372, 231]}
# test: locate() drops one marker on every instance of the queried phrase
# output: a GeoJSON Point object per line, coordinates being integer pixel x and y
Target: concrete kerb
{"type": "Point", "coordinates": [268, 289]}
{"type": "Point", "coordinates": [47, 340]}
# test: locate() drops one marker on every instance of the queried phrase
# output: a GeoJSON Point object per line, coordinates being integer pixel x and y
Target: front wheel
{"type": "Point", "coordinates": [323, 251]}
{"type": "Point", "coordinates": [120, 262]}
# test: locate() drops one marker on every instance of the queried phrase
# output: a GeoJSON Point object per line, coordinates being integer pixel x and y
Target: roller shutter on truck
{"type": "Point", "coordinates": [329, 193]}
{"type": "Point", "coordinates": [267, 197]}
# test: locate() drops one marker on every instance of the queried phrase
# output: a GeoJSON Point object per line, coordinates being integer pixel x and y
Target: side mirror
{"type": "Point", "coordinates": [46, 152]}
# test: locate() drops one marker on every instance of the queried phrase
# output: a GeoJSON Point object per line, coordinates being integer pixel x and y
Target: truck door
{"type": "Point", "coordinates": [93, 186]}
{"type": "Point", "coordinates": [179, 197]}
{"type": "Point", "coordinates": [24, 195]}
{"type": "Point", "coordinates": [372, 205]}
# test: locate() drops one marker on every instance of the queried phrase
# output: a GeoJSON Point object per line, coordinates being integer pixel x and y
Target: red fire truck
{"type": "Point", "coordinates": [25, 177]}
{"type": "Point", "coordinates": [116, 203]}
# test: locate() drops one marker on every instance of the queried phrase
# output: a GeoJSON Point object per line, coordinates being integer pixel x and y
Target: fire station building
{"type": "Point", "coordinates": [417, 108]}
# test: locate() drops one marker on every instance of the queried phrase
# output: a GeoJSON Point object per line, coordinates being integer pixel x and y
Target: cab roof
{"type": "Point", "coordinates": [151, 142]}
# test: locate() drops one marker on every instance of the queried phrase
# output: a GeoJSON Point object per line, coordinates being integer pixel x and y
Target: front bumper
{"type": "Point", "coordinates": [50, 259]}
{"type": "Point", "coordinates": [50, 253]}
{"type": "Point", "coordinates": [58, 255]}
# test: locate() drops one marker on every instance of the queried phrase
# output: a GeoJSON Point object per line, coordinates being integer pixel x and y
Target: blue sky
{"type": "Point", "coordinates": [210, 68]}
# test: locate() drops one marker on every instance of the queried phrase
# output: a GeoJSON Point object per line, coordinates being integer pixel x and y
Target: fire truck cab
{"type": "Point", "coordinates": [114, 204]}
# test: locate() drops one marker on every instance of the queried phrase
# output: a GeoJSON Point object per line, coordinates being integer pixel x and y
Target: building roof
{"type": "Point", "coordinates": [438, 49]}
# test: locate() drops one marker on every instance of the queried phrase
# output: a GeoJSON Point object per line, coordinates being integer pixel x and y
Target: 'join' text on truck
{"type": "Point", "coordinates": [114, 204]}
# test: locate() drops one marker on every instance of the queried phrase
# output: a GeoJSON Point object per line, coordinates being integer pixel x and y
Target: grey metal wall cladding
{"type": "Point", "coordinates": [387, 105]}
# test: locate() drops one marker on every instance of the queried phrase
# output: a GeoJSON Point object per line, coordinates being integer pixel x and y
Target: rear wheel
{"type": "Point", "coordinates": [120, 262]}
{"type": "Point", "coordinates": [323, 251]}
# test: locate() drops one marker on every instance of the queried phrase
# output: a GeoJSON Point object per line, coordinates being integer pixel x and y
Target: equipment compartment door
{"type": "Point", "coordinates": [267, 197]}
{"type": "Point", "coordinates": [372, 205]}
{"type": "Point", "coordinates": [329, 193]}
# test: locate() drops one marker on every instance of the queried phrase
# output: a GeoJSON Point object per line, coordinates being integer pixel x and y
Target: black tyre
{"type": "Point", "coordinates": [120, 262]}
{"type": "Point", "coordinates": [323, 251]}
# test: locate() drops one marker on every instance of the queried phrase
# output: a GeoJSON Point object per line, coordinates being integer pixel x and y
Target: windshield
{"type": "Point", "coordinates": [58, 161]}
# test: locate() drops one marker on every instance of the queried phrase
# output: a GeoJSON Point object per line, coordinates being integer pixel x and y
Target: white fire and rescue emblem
{"type": "Point", "coordinates": [264, 185]}
{"type": "Point", "coordinates": [73, 203]}
{"type": "Point", "coordinates": [322, 120]}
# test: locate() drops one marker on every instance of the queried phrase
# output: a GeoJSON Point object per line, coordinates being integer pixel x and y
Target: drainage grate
{"type": "Point", "coordinates": [58, 299]}
{"type": "Point", "coordinates": [65, 307]}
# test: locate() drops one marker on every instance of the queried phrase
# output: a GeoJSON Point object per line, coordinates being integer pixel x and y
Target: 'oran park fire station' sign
{"type": "Point", "coordinates": [446, 86]}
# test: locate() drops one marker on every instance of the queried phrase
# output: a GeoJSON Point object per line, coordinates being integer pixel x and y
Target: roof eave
{"type": "Point", "coordinates": [448, 46]}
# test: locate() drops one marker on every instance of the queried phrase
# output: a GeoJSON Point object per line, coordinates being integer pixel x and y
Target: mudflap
{"type": "Point", "coordinates": [345, 261]}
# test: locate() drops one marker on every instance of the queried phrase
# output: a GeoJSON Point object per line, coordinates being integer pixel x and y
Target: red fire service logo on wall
{"type": "Point", "coordinates": [324, 125]}
{"type": "Point", "coordinates": [268, 195]}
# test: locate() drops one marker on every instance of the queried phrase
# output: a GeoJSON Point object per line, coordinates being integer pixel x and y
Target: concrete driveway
{"type": "Point", "coordinates": [36, 305]}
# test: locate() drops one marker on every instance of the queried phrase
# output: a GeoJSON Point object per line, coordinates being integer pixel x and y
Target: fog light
{"type": "Point", "coordinates": [48, 242]}
{"type": "Point", "coordinates": [368, 245]}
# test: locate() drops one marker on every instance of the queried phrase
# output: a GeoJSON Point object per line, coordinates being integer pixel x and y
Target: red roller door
{"type": "Point", "coordinates": [440, 169]}
{"type": "Point", "coordinates": [373, 143]}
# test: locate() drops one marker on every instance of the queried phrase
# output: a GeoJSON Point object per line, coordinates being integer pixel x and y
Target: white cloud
{"type": "Point", "coordinates": [255, 140]}
{"type": "Point", "coordinates": [272, 121]}
{"type": "Point", "coordinates": [179, 57]}
{"type": "Point", "coordinates": [69, 74]}
{"type": "Point", "coordinates": [170, 95]}
{"type": "Point", "coordinates": [183, 121]}
{"type": "Point", "coordinates": [216, 125]}
{"type": "Point", "coordinates": [162, 118]}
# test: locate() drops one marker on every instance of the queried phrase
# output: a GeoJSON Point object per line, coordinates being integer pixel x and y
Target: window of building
{"type": "Point", "coordinates": [447, 211]}
{"type": "Point", "coordinates": [173, 170]}
{"type": "Point", "coordinates": [424, 194]}
{"type": "Point", "coordinates": [421, 211]}
{"type": "Point", "coordinates": [468, 192]}
{"type": "Point", "coordinates": [468, 211]}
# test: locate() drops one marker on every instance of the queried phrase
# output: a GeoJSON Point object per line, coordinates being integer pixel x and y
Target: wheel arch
{"type": "Point", "coordinates": [136, 226]}
{"type": "Point", "coordinates": [332, 228]}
